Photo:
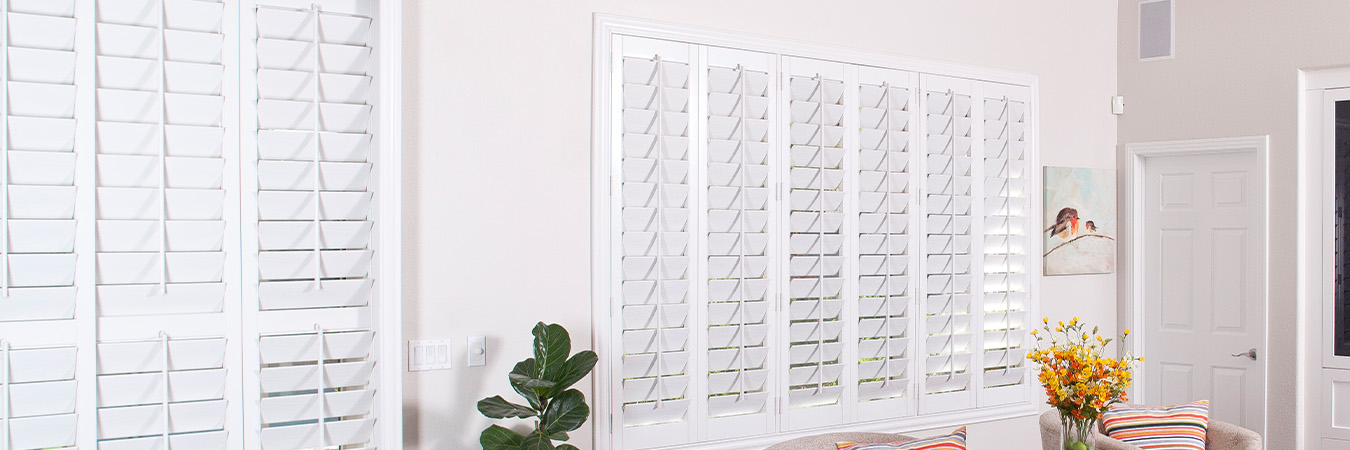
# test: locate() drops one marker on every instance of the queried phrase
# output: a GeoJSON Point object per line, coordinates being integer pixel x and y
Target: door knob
{"type": "Point", "coordinates": [1249, 354]}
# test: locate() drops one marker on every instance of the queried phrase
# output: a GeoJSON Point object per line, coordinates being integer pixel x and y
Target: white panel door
{"type": "Point", "coordinates": [1204, 284]}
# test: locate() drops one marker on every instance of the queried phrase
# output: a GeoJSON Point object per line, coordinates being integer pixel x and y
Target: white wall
{"type": "Point", "coordinates": [1236, 74]}
{"type": "Point", "coordinates": [497, 157]}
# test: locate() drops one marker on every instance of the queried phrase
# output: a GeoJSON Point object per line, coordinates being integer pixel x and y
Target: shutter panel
{"type": "Point", "coordinates": [316, 383]}
{"type": "Point", "coordinates": [949, 304]}
{"type": "Point", "coordinates": [740, 234]}
{"type": "Point", "coordinates": [885, 300]}
{"type": "Point", "coordinates": [37, 227]}
{"type": "Point", "coordinates": [816, 202]}
{"type": "Point", "coordinates": [161, 236]}
{"type": "Point", "coordinates": [656, 243]}
{"type": "Point", "coordinates": [1006, 227]}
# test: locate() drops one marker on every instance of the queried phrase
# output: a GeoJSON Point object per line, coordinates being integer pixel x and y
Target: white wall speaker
{"type": "Point", "coordinates": [1157, 30]}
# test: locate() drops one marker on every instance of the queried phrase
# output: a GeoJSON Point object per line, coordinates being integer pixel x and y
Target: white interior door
{"type": "Point", "coordinates": [1204, 282]}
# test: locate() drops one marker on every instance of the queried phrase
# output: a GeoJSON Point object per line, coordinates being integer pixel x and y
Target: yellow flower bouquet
{"type": "Point", "coordinates": [1079, 381]}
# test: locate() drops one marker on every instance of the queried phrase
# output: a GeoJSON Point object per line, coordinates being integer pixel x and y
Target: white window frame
{"type": "Point", "coordinates": [609, 28]}
{"type": "Point", "coordinates": [390, 260]}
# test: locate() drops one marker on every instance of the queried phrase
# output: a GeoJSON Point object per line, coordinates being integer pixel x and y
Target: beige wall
{"type": "Point", "coordinates": [497, 158]}
{"type": "Point", "coordinates": [1236, 74]}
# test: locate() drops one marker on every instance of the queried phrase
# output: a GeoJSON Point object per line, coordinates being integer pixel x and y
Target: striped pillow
{"type": "Point", "coordinates": [954, 441]}
{"type": "Point", "coordinates": [1174, 427]}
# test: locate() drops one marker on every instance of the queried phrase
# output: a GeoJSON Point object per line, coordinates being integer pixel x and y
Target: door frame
{"type": "Point", "coordinates": [1132, 315]}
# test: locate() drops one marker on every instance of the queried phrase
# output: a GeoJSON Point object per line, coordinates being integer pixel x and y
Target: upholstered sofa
{"type": "Point", "coordinates": [827, 441]}
{"type": "Point", "coordinates": [1221, 436]}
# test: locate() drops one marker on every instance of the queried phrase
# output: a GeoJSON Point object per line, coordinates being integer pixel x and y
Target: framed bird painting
{"type": "Point", "coordinates": [1080, 221]}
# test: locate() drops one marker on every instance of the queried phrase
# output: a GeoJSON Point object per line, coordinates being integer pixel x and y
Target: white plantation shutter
{"type": "Point", "coordinates": [886, 308]}
{"type": "Point", "coordinates": [949, 325]}
{"type": "Point", "coordinates": [657, 248]}
{"type": "Point", "coordinates": [126, 322]}
{"type": "Point", "coordinates": [740, 271]}
{"type": "Point", "coordinates": [38, 335]}
{"type": "Point", "coordinates": [792, 244]}
{"type": "Point", "coordinates": [316, 382]}
{"type": "Point", "coordinates": [161, 259]}
{"type": "Point", "coordinates": [1007, 210]}
{"type": "Point", "coordinates": [816, 202]}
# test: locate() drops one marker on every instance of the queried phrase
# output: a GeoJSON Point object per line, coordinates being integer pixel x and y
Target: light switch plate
{"type": "Point", "coordinates": [429, 355]}
{"type": "Point", "coordinates": [477, 351]}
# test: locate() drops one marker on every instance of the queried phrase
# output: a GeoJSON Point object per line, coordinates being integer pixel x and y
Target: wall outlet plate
{"type": "Point", "coordinates": [431, 354]}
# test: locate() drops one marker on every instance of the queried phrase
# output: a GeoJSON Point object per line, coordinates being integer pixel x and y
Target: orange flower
{"type": "Point", "coordinates": [1078, 379]}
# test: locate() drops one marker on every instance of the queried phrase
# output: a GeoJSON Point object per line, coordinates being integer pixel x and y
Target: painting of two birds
{"type": "Point", "coordinates": [1080, 221]}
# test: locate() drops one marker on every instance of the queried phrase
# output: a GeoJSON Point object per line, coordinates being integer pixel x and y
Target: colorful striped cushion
{"type": "Point", "coordinates": [954, 441]}
{"type": "Point", "coordinates": [1174, 427]}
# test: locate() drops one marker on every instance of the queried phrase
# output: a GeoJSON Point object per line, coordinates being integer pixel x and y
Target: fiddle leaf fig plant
{"type": "Point", "coordinates": [545, 382]}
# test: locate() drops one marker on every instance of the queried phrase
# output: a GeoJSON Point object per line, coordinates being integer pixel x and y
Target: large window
{"type": "Point", "coordinates": [792, 238]}
{"type": "Point", "coordinates": [193, 221]}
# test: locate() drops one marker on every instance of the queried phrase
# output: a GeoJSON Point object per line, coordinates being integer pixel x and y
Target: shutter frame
{"type": "Point", "coordinates": [96, 172]}
{"type": "Point", "coordinates": [975, 403]}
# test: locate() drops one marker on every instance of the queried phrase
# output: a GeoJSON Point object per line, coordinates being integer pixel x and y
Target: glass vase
{"type": "Point", "coordinates": [1077, 432]}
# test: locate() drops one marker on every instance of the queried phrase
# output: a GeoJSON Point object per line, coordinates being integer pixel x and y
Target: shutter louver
{"type": "Point", "coordinates": [37, 227]}
{"type": "Point", "coordinates": [740, 248]}
{"type": "Point", "coordinates": [816, 198]}
{"type": "Point", "coordinates": [948, 327]}
{"type": "Point", "coordinates": [885, 311]}
{"type": "Point", "coordinates": [657, 249]}
{"type": "Point", "coordinates": [161, 231]}
{"type": "Point", "coordinates": [1007, 207]}
{"type": "Point", "coordinates": [317, 377]}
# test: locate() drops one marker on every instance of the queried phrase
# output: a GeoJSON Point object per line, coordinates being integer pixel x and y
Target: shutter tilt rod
{"type": "Point", "coordinates": [886, 198]}
{"type": "Point", "coordinates": [742, 284]}
{"type": "Point", "coordinates": [820, 320]}
{"type": "Point", "coordinates": [951, 329]}
{"type": "Point", "coordinates": [4, 175]}
{"type": "Point", "coordinates": [322, 433]}
{"type": "Point", "coordinates": [660, 156]}
{"type": "Point", "coordinates": [165, 391]}
{"type": "Point", "coordinates": [5, 407]}
{"type": "Point", "coordinates": [318, 153]}
{"type": "Point", "coordinates": [1007, 235]}
{"type": "Point", "coordinates": [163, 167]}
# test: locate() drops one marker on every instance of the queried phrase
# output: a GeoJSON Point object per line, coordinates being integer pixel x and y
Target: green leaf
{"type": "Point", "coordinates": [526, 368]}
{"type": "Point", "coordinates": [575, 369]}
{"type": "Point", "coordinates": [566, 412]}
{"type": "Point", "coordinates": [529, 382]}
{"type": "Point", "coordinates": [559, 436]}
{"type": "Point", "coordinates": [498, 408]}
{"type": "Point", "coordinates": [536, 441]}
{"type": "Point", "coordinates": [568, 447]}
{"type": "Point", "coordinates": [551, 347]}
{"type": "Point", "coordinates": [497, 437]}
